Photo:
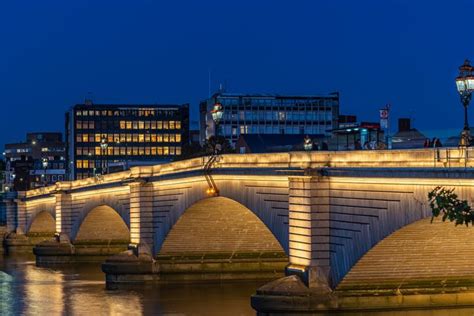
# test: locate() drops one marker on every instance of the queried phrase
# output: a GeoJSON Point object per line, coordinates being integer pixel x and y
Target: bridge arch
{"type": "Point", "coordinates": [420, 254]}
{"type": "Point", "coordinates": [101, 222]}
{"type": "Point", "coordinates": [42, 222]}
{"type": "Point", "coordinates": [267, 200]}
{"type": "Point", "coordinates": [219, 225]}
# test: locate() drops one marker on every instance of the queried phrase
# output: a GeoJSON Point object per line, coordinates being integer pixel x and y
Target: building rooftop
{"type": "Point", "coordinates": [274, 95]}
{"type": "Point", "coordinates": [262, 143]}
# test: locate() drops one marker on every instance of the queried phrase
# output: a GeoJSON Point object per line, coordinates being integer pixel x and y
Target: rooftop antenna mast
{"type": "Point", "coordinates": [88, 99]}
{"type": "Point", "coordinates": [209, 86]}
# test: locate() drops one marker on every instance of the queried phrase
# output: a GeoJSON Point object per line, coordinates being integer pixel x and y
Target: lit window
{"type": "Point", "coordinates": [160, 151]}
{"type": "Point", "coordinates": [141, 125]}
{"type": "Point", "coordinates": [171, 124]}
{"type": "Point", "coordinates": [166, 151]}
{"type": "Point", "coordinates": [79, 125]}
{"type": "Point", "coordinates": [147, 138]}
{"type": "Point", "coordinates": [129, 125]}
{"type": "Point", "coordinates": [79, 164]}
{"type": "Point", "coordinates": [153, 138]}
{"type": "Point", "coordinates": [141, 151]}
{"type": "Point", "coordinates": [97, 151]}
{"type": "Point", "coordinates": [147, 151]}
{"type": "Point", "coordinates": [135, 138]}
{"type": "Point", "coordinates": [135, 124]}
{"type": "Point", "coordinates": [85, 138]}
{"type": "Point", "coordinates": [166, 125]}
{"type": "Point", "coordinates": [97, 138]}
{"type": "Point", "coordinates": [123, 152]}
{"type": "Point", "coordinates": [178, 138]}
{"type": "Point", "coordinates": [129, 138]}
{"type": "Point", "coordinates": [141, 138]}
{"type": "Point", "coordinates": [178, 150]}
{"type": "Point", "coordinates": [178, 124]}
{"type": "Point", "coordinates": [153, 125]}
{"type": "Point", "coordinates": [171, 150]}
{"type": "Point", "coordinates": [123, 124]}
{"type": "Point", "coordinates": [159, 138]}
{"type": "Point", "coordinates": [153, 151]}
{"type": "Point", "coordinates": [166, 138]}
{"type": "Point", "coordinates": [159, 125]}
{"type": "Point", "coordinates": [147, 125]}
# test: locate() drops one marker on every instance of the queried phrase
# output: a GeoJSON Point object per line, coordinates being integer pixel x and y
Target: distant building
{"type": "Point", "coordinates": [39, 161]}
{"type": "Point", "coordinates": [134, 134]}
{"type": "Point", "coordinates": [268, 143]}
{"type": "Point", "coordinates": [269, 114]}
{"type": "Point", "coordinates": [350, 134]}
{"type": "Point", "coordinates": [407, 137]}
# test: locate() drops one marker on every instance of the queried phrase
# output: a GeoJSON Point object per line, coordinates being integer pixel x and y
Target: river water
{"type": "Point", "coordinates": [80, 290]}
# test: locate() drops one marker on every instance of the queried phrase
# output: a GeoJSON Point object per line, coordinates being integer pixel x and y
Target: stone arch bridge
{"type": "Point", "coordinates": [325, 209]}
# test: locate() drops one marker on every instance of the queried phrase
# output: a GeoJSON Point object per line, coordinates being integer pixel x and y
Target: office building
{"type": "Point", "coordinates": [269, 114]}
{"type": "Point", "coordinates": [36, 162]}
{"type": "Point", "coordinates": [103, 138]}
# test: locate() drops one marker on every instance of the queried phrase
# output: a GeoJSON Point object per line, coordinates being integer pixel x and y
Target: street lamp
{"type": "Point", "coordinates": [308, 143]}
{"type": "Point", "coordinates": [103, 146]}
{"type": "Point", "coordinates": [217, 112]}
{"type": "Point", "coordinates": [465, 86]}
{"type": "Point", "coordinates": [44, 163]}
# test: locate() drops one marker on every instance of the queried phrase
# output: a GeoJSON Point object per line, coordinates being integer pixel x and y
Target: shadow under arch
{"type": "Point", "coordinates": [219, 225]}
{"type": "Point", "coordinates": [102, 223]}
{"type": "Point", "coordinates": [43, 223]}
{"type": "Point", "coordinates": [416, 256]}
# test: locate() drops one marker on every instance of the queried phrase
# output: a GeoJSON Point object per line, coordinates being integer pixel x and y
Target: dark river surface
{"type": "Point", "coordinates": [80, 290]}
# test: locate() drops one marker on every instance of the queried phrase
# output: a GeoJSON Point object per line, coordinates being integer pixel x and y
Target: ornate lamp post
{"type": "Point", "coordinates": [217, 112]}
{"type": "Point", "coordinates": [308, 143]}
{"type": "Point", "coordinates": [103, 146]}
{"type": "Point", "coordinates": [465, 86]}
{"type": "Point", "coordinates": [44, 163]}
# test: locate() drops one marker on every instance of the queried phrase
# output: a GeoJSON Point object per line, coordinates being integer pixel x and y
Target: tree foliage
{"type": "Point", "coordinates": [444, 202]}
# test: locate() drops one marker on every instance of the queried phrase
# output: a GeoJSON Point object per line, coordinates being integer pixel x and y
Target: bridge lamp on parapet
{"type": "Point", "coordinates": [44, 163]}
{"type": "Point", "coordinates": [465, 86]}
{"type": "Point", "coordinates": [308, 143]}
{"type": "Point", "coordinates": [217, 112]}
{"type": "Point", "coordinates": [103, 146]}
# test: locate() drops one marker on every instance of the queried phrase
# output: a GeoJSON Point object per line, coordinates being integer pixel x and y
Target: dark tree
{"type": "Point", "coordinates": [218, 142]}
{"type": "Point", "coordinates": [446, 203]}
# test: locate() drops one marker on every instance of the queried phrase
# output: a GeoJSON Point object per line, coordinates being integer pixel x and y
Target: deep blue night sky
{"type": "Point", "coordinates": [405, 53]}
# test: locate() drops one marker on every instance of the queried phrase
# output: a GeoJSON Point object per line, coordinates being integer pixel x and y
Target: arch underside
{"type": "Point", "coordinates": [103, 223]}
{"type": "Point", "coordinates": [43, 223]}
{"type": "Point", "coordinates": [220, 225]}
{"type": "Point", "coordinates": [420, 255]}
{"type": "Point", "coordinates": [251, 194]}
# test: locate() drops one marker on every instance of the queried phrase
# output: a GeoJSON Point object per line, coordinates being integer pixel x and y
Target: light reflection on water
{"type": "Point", "coordinates": [80, 290]}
